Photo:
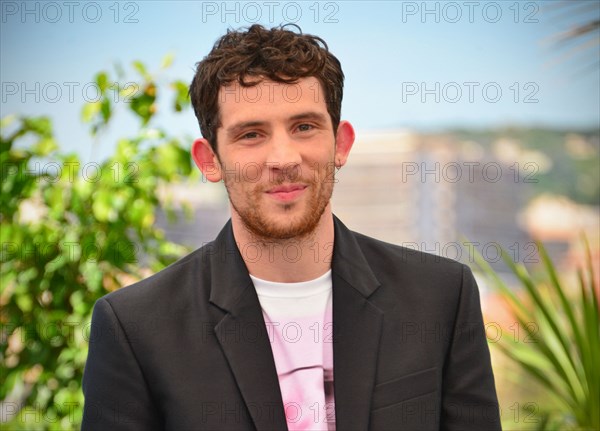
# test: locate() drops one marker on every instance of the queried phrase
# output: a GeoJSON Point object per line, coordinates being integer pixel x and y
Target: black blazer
{"type": "Point", "coordinates": [187, 349]}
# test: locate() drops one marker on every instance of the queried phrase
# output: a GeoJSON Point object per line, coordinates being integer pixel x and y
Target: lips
{"type": "Point", "coordinates": [286, 192]}
{"type": "Point", "coordinates": [287, 188]}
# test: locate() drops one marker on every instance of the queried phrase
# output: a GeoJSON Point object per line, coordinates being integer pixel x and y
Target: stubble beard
{"type": "Point", "coordinates": [300, 227]}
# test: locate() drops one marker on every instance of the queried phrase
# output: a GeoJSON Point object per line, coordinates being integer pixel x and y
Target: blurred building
{"type": "Point", "coordinates": [432, 193]}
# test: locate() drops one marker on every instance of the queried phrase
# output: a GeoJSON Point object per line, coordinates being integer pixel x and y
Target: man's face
{"type": "Point", "coordinates": [277, 156]}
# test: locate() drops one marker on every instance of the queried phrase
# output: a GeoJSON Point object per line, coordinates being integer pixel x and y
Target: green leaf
{"type": "Point", "coordinates": [45, 146]}
{"type": "Point", "coordinates": [143, 105]}
{"type": "Point", "coordinates": [90, 110]}
{"type": "Point", "coordinates": [40, 125]}
{"type": "Point", "coordinates": [129, 91]}
{"type": "Point", "coordinates": [105, 109]}
{"type": "Point", "coordinates": [102, 81]}
{"type": "Point", "coordinates": [182, 99]}
{"type": "Point", "coordinates": [167, 61]}
{"type": "Point", "coordinates": [102, 207]}
{"type": "Point", "coordinates": [7, 120]}
{"type": "Point", "coordinates": [139, 66]}
{"type": "Point", "coordinates": [141, 214]}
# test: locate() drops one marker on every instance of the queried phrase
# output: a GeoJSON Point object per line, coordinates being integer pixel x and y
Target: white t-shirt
{"type": "Point", "coordinates": [298, 318]}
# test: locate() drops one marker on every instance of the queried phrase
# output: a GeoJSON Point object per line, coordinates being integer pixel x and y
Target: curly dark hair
{"type": "Point", "coordinates": [277, 54]}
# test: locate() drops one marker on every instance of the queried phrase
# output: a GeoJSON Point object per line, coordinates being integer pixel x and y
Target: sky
{"type": "Point", "coordinates": [418, 65]}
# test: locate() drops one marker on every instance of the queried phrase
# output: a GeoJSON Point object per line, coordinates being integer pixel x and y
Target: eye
{"type": "Point", "coordinates": [305, 127]}
{"type": "Point", "coordinates": [250, 135]}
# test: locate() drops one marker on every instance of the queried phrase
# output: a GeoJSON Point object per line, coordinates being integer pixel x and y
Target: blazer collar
{"type": "Point", "coordinates": [229, 275]}
{"type": "Point", "coordinates": [350, 263]}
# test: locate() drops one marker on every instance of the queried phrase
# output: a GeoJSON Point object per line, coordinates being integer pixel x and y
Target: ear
{"type": "Point", "coordinates": [206, 160]}
{"type": "Point", "coordinates": [344, 138]}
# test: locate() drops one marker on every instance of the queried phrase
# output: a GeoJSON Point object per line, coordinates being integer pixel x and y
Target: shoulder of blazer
{"type": "Point", "coordinates": [383, 255]}
{"type": "Point", "coordinates": [184, 285]}
{"type": "Point", "coordinates": [406, 274]}
{"type": "Point", "coordinates": [162, 284]}
{"type": "Point", "coordinates": [404, 255]}
{"type": "Point", "coordinates": [190, 281]}
{"type": "Point", "coordinates": [418, 286]}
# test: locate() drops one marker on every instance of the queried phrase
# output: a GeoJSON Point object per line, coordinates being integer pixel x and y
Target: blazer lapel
{"type": "Point", "coordinates": [357, 327]}
{"type": "Point", "coordinates": [243, 335]}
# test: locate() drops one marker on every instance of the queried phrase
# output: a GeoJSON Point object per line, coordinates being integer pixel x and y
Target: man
{"type": "Point", "coordinates": [287, 319]}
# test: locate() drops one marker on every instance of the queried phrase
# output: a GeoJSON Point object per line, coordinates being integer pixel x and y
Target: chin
{"type": "Point", "coordinates": [284, 226]}
{"type": "Point", "coordinates": [283, 229]}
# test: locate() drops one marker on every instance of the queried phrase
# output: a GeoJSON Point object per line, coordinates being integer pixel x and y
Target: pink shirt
{"type": "Point", "coordinates": [298, 318]}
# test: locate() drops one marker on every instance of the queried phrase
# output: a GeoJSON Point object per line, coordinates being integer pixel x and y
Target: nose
{"type": "Point", "coordinates": [284, 153]}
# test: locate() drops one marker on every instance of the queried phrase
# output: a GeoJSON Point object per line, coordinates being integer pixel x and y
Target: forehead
{"type": "Point", "coordinates": [270, 100]}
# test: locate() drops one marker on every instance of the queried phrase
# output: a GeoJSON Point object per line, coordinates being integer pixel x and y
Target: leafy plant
{"type": "Point", "coordinates": [563, 325]}
{"type": "Point", "coordinates": [71, 232]}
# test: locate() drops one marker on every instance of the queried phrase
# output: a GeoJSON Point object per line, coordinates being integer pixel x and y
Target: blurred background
{"type": "Point", "coordinates": [478, 131]}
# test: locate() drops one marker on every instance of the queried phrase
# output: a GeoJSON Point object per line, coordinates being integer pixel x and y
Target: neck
{"type": "Point", "coordinates": [290, 260]}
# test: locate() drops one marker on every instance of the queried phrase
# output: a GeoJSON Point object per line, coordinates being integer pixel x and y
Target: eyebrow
{"type": "Point", "coordinates": [238, 127]}
{"type": "Point", "coordinates": [315, 116]}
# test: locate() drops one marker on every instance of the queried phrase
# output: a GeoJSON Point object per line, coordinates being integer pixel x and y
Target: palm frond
{"type": "Point", "coordinates": [563, 324]}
